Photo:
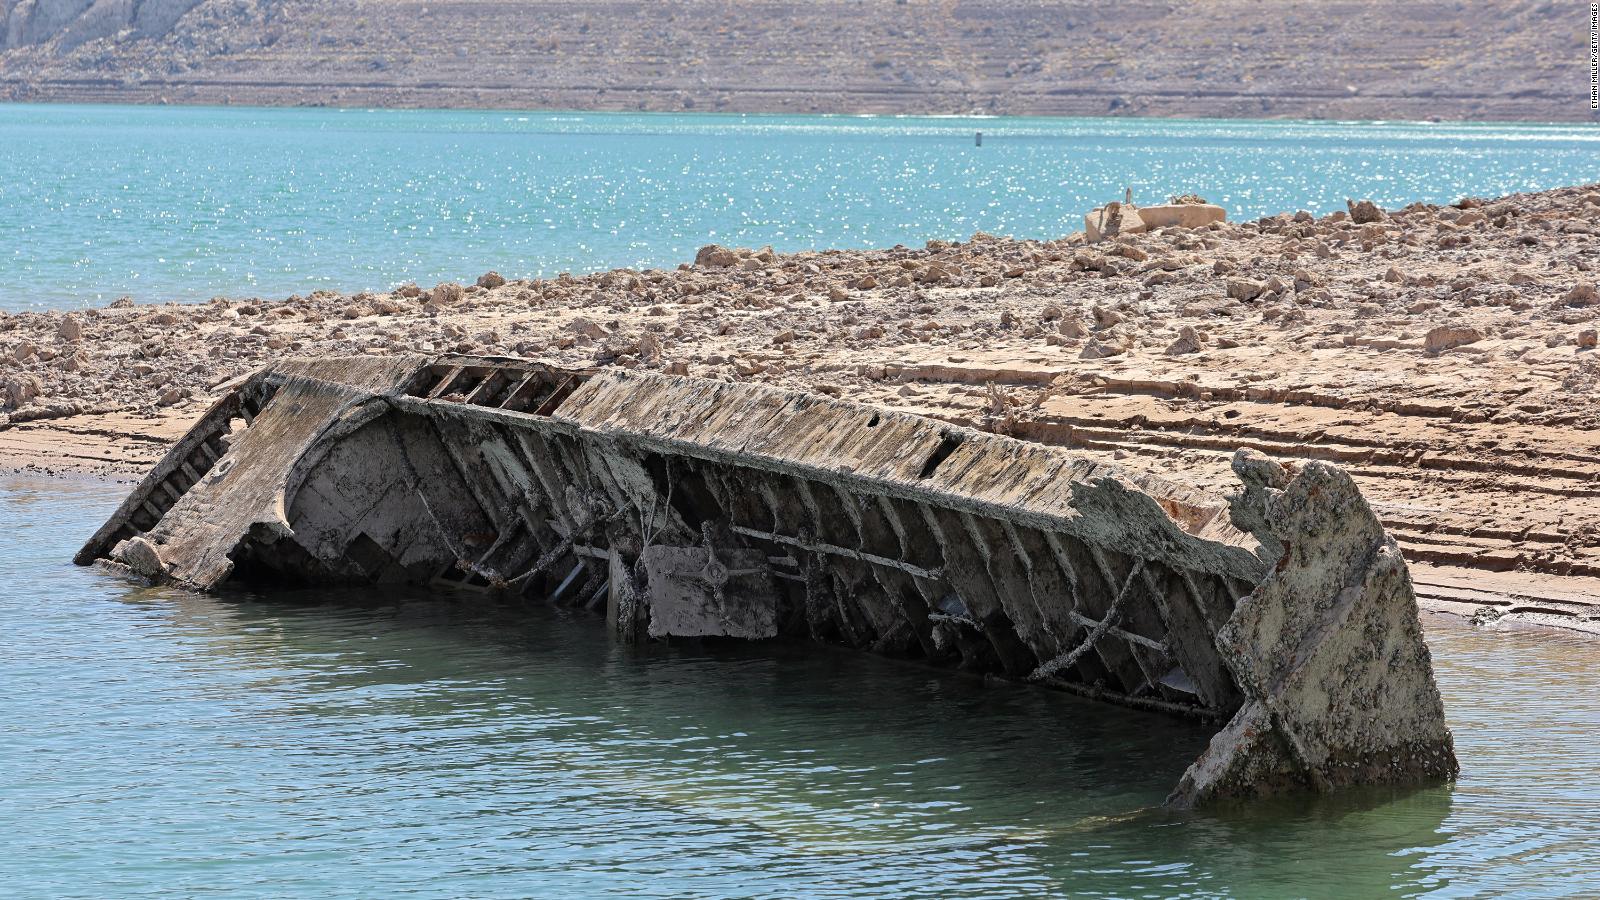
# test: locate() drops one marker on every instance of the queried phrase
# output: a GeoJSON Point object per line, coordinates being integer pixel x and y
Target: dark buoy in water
{"type": "Point", "coordinates": [979, 141]}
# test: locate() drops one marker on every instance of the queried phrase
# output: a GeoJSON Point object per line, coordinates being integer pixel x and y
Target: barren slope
{"type": "Point", "coordinates": [1348, 58]}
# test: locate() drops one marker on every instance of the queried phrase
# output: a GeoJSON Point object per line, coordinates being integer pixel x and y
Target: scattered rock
{"type": "Point", "coordinates": [20, 390]}
{"type": "Point", "coordinates": [1188, 342]}
{"type": "Point", "coordinates": [1160, 293]}
{"type": "Point", "coordinates": [1582, 294]}
{"type": "Point", "coordinates": [715, 256]}
{"type": "Point", "coordinates": [649, 349]}
{"type": "Point", "coordinates": [1101, 349]}
{"type": "Point", "coordinates": [1448, 337]}
{"type": "Point", "coordinates": [588, 328]}
{"type": "Point", "coordinates": [1072, 328]}
{"type": "Point", "coordinates": [1245, 289]}
{"type": "Point", "coordinates": [446, 293]}
{"type": "Point", "coordinates": [1363, 212]}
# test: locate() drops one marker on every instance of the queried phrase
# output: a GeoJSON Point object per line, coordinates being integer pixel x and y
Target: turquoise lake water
{"type": "Point", "coordinates": [350, 745]}
{"type": "Point", "coordinates": [183, 203]}
{"type": "Point", "coordinates": [340, 744]}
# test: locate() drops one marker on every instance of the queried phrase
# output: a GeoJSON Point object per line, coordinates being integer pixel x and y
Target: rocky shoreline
{"type": "Point", "coordinates": [1445, 355]}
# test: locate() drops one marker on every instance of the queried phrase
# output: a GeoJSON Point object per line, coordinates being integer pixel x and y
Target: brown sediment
{"type": "Point", "coordinates": [1441, 355]}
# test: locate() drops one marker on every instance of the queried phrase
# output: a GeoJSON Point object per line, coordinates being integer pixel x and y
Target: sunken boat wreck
{"type": "Point", "coordinates": [684, 507]}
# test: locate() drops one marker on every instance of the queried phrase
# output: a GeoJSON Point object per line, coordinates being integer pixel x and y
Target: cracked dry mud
{"type": "Point", "coordinates": [1444, 356]}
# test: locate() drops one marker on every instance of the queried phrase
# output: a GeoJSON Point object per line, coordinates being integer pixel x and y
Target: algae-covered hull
{"type": "Point", "coordinates": [697, 508]}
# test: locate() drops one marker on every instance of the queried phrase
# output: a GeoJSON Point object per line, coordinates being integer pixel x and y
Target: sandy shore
{"type": "Point", "coordinates": [1444, 355]}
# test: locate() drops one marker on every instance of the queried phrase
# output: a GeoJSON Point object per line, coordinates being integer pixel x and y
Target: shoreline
{"type": "Point", "coordinates": [1554, 109]}
{"type": "Point", "coordinates": [975, 115]}
{"type": "Point", "coordinates": [1522, 601]}
{"type": "Point", "coordinates": [1541, 604]}
{"type": "Point", "coordinates": [1442, 355]}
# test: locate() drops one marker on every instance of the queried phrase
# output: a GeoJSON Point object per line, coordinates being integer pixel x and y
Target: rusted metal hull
{"type": "Point", "coordinates": [687, 507]}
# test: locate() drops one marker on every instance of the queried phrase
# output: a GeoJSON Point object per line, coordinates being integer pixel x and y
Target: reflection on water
{"type": "Point", "coordinates": [354, 744]}
{"type": "Point", "coordinates": [181, 203]}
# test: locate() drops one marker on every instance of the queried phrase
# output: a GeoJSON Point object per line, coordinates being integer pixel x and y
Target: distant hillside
{"type": "Point", "coordinates": [1471, 59]}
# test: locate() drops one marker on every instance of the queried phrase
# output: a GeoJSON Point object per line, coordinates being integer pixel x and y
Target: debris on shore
{"type": "Point", "coordinates": [1306, 336]}
{"type": "Point", "coordinates": [1187, 211]}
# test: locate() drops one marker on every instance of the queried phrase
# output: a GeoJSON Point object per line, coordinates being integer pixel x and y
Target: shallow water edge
{"type": "Point", "coordinates": [337, 744]}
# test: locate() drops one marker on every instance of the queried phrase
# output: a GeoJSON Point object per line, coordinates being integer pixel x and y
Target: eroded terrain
{"type": "Point", "coordinates": [1443, 355]}
{"type": "Point", "coordinates": [1420, 59]}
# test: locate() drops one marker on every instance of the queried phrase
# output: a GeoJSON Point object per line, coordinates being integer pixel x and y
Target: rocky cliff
{"type": "Point", "coordinates": [1452, 59]}
{"type": "Point", "coordinates": [67, 24]}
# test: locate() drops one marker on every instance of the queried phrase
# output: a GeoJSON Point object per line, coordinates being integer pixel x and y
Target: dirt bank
{"type": "Point", "coordinates": [1444, 355]}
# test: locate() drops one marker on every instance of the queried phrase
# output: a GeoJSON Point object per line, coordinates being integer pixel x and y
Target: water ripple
{"type": "Point", "coordinates": [165, 203]}
{"type": "Point", "coordinates": [341, 745]}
